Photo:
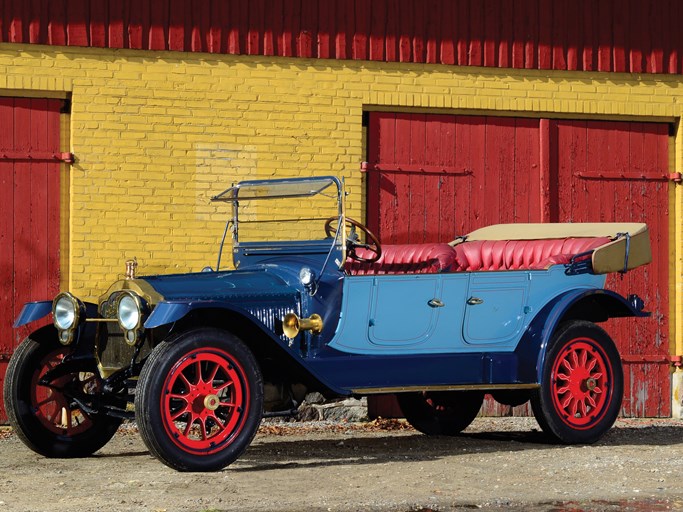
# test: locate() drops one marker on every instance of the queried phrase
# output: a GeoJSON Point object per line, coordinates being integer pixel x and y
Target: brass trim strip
{"type": "Point", "coordinates": [101, 320]}
{"type": "Point", "coordinates": [461, 387]}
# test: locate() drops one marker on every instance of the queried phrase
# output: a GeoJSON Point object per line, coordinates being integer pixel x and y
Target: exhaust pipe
{"type": "Point", "coordinates": [292, 324]}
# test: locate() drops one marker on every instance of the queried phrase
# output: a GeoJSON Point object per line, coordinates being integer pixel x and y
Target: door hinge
{"type": "Point", "coordinates": [676, 177]}
{"type": "Point", "coordinates": [646, 358]}
{"type": "Point", "coordinates": [37, 156]}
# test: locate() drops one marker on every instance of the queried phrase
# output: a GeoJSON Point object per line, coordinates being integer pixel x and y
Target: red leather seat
{"type": "Point", "coordinates": [405, 259]}
{"type": "Point", "coordinates": [521, 254]}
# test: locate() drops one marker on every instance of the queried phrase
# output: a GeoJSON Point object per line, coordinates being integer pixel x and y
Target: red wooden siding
{"type": "Point", "coordinates": [29, 212]}
{"type": "Point", "coordinates": [610, 35]}
{"type": "Point", "coordinates": [432, 177]}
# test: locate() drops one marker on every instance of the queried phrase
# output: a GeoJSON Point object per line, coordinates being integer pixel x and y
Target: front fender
{"type": "Point", "coordinates": [172, 311]}
{"type": "Point", "coordinates": [167, 312]}
{"type": "Point", "coordinates": [595, 305]}
{"type": "Point", "coordinates": [33, 311]}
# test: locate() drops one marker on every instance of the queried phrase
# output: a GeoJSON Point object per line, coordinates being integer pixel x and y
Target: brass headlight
{"type": "Point", "coordinates": [129, 313]}
{"type": "Point", "coordinates": [66, 313]}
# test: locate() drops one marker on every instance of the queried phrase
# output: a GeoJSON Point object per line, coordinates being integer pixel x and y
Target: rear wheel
{"type": "Point", "coordinates": [581, 385]}
{"type": "Point", "coordinates": [441, 413]}
{"type": "Point", "coordinates": [46, 418]}
{"type": "Point", "coordinates": [199, 400]}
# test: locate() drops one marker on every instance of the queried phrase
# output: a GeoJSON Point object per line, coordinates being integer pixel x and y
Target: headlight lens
{"type": "Point", "coordinates": [65, 310]}
{"type": "Point", "coordinates": [129, 312]}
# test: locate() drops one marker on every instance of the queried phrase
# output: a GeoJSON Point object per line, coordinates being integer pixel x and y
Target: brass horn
{"type": "Point", "coordinates": [292, 324]}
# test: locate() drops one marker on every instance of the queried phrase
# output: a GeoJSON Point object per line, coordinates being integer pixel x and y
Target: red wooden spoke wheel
{"type": "Point", "coordinates": [199, 400]}
{"type": "Point", "coordinates": [580, 383]}
{"type": "Point", "coordinates": [205, 401]}
{"type": "Point", "coordinates": [581, 386]}
{"type": "Point", "coordinates": [54, 410]}
{"type": "Point", "coordinates": [46, 417]}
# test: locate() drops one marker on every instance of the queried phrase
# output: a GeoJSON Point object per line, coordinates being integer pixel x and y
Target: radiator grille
{"type": "Point", "coordinates": [112, 349]}
{"type": "Point", "coordinates": [272, 317]}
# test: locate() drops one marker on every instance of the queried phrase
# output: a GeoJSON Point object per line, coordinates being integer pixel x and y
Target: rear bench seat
{"type": "Point", "coordinates": [521, 254]}
{"type": "Point", "coordinates": [478, 255]}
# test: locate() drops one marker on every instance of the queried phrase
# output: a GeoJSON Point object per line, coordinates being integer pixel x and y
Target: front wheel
{"type": "Point", "coordinates": [46, 417]}
{"type": "Point", "coordinates": [445, 413]}
{"type": "Point", "coordinates": [582, 384]}
{"type": "Point", "coordinates": [199, 400]}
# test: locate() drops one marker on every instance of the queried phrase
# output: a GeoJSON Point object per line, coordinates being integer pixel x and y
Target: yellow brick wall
{"type": "Point", "coordinates": [155, 134]}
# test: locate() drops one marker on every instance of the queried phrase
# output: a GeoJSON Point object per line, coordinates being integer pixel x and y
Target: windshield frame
{"type": "Point", "coordinates": [260, 190]}
{"type": "Point", "coordinates": [257, 190]}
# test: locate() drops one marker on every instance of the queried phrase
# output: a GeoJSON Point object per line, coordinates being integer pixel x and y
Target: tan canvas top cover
{"type": "Point", "coordinates": [607, 258]}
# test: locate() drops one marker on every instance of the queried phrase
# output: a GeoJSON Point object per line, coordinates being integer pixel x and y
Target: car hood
{"type": "Point", "coordinates": [219, 285]}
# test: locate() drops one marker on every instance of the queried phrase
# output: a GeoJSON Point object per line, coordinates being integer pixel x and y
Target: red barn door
{"type": "Point", "coordinates": [617, 172]}
{"type": "Point", "coordinates": [29, 212]}
{"type": "Point", "coordinates": [431, 177]}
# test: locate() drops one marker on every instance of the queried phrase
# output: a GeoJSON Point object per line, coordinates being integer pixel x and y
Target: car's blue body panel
{"type": "Point", "coordinates": [488, 366]}
{"type": "Point", "coordinates": [213, 285]}
{"type": "Point", "coordinates": [383, 332]}
{"type": "Point", "coordinates": [248, 291]}
{"type": "Point", "coordinates": [392, 315]}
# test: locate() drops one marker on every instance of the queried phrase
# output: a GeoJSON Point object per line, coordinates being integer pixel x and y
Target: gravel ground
{"type": "Point", "coordinates": [498, 464]}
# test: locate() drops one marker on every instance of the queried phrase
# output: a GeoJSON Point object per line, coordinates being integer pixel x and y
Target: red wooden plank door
{"type": "Point", "coordinates": [616, 172]}
{"type": "Point", "coordinates": [432, 177]}
{"type": "Point", "coordinates": [29, 213]}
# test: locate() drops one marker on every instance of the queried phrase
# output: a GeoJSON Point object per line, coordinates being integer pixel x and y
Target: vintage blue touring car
{"type": "Point", "coordinates": [199, 359]}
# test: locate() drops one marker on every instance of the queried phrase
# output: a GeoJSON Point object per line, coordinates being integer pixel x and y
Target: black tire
{"type": "Point", "coordinates": [43, 418]}
{"type": "Point", "coordinates": [445, 413]}
{"type": "Point", "coordinates": [582, 384]}
{"type": "Point", "coordinates": [199, 400]}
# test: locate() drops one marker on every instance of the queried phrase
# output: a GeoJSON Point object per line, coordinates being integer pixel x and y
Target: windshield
{"type": "Point", "coordinates": [283, 210]}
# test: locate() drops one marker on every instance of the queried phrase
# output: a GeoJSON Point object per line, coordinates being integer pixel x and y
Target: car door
{"type": "Point", "coordinates": [402, 314]}
{"type": "Point", "coordinates": [496, 308]}
{"type": "Point", "coordinates": [404, 310]}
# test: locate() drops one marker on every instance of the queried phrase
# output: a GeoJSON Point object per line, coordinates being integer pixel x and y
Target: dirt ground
{"type": "Point", "coordinates": [498, 464]}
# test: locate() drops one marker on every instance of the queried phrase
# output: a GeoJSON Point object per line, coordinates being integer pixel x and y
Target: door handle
{"type": "Point", "coordinates": [435, 303]}
{"type": "Point", "coordinates": [475, 301]}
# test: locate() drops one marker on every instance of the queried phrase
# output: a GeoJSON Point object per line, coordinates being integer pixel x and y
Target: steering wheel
{"type": "Point", "coordinates": [353, 241]}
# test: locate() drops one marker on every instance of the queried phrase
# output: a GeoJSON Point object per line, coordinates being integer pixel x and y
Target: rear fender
{"type": "Point", "coordinates": [592, 305]}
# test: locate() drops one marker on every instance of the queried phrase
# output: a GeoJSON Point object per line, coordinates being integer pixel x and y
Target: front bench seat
{"type": "Point", "coordinates": [405, 259]}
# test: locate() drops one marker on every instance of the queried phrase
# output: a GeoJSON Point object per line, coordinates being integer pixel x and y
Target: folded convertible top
{"type": "Point", "coordinates": [629, 248]}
